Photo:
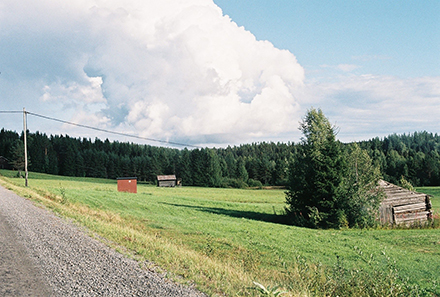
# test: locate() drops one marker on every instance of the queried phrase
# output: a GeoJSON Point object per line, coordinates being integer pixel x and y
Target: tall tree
{"type": "Point", "coordinates": [360, 197]}
{"type": "Point", "coordinates": [316, 174]}
{"type": "Point", "coordinates": [18, 160]}
{"type": "Point", "coordinates": [184, 169]}
{"type": "Point", "coordinates": [198, 168]}
{"type": "Point", "coordinates": [213, 173]}
{"type": "Point", "coordinates": [331, 185]}
{"type": "Point", "coordinates": [241, 170]}
{"type": "Point", "coordinates": [7, 141]}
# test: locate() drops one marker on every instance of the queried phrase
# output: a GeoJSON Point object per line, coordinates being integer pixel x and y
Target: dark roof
{"type": "Point", "coordinates": [122, 178]}
{"type": "Point", "coordinates": [166, 177]}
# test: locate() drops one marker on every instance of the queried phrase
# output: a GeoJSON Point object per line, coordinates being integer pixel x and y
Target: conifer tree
{"type": "Point", "coordinates": [18, 160]}
{"type": "Point", "coordinates": [330, 186]}
{"type": "Point", "coordinates": [316, 174]}
{"type": "Point", "coordinates": [184, 168]}
{"type": "Point", "coordinates": [241, 170]}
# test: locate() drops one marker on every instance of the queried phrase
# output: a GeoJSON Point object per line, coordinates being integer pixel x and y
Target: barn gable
{"type": "Point", "coordinates": [402, 206]}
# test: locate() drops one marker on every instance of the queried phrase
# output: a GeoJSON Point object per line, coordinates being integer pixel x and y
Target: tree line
{"type": "Point", "coordinates": [246, 165]}
{"type": "Point", "coordinates": [416, 157]}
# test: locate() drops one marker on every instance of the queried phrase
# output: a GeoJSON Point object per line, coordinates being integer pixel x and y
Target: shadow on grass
{"type": "Point", "coordinates": [251, 215]}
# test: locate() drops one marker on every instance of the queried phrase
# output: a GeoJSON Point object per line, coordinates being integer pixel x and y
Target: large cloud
{"type": "Point", "coordinates": [367, 106]}
{"type": "Point", "coordinates": [170, 69]}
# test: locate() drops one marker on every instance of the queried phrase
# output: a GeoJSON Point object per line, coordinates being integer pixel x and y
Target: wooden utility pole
{"type": "Point", "coordinates": [25, 149]}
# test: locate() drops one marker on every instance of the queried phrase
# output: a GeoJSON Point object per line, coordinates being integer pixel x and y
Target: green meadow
{"type": "Point", "coordinates": [224, 240]}
{"type": "Point", "coordinates": [434, 192]}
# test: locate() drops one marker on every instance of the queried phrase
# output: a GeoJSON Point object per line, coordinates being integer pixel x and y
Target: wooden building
{"type": "Point", "coordinates": [127, 184]}
{"type": "Point", "coordinates": [4, 163]}
{"type": "Point", "coordinates": [166, 181]}
{"type": "Point", "coordinates": [402, 206]}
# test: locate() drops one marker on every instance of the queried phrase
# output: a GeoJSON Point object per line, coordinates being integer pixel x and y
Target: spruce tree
{"type": "Point", "coordinates": [316, 174]}
{"type": "Point", "coordinates": [241, 170]}
{"type": "Point", "coordinates": [184, 168]}
{"type": "Point", "coordinates": [329, 185]}
{"type": "Point", "coordinates": [18, 160]}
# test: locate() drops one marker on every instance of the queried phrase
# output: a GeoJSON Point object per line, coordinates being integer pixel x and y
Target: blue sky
{"type": "Point", "coordinates": [400, 38]}
{"type": "Point", "coordinates": [394, 42]}
{"type": "Point", "coordinates": [222, 72]}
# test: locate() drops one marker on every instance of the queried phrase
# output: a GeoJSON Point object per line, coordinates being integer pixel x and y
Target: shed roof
{"type": "Point", "coordinates": [166, 177]}
{"type": "Point", "coordinates": [395, 195]}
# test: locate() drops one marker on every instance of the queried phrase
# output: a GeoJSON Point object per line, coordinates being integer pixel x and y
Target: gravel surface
{"type": "Point", "coordinates": [43, 255]}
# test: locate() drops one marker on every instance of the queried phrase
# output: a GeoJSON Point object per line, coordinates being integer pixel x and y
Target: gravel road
{"type": "Point", "coordinates": [44, 255]}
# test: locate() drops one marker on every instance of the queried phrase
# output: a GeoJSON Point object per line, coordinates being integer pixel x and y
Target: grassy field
{"type": "Point", "coordinates": [223, 240]}
{"type": "Point", "coordinates": [435, 199]}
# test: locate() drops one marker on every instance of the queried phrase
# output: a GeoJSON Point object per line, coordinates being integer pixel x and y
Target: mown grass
{"type": "Point", "coordinates": [222, 240]}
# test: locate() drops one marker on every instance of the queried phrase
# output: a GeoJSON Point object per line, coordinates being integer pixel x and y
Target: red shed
{"type": "Point", "coordinates": [127, 184]}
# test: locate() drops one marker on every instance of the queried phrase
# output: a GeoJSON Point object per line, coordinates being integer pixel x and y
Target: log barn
{"type": "Point", "coordinates": [402, 206]}
{"type": "Point", "coordinates": [166, 181]}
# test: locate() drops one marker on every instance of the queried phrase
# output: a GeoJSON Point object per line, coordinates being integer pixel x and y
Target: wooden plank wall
{"type": "Point", "coordinates": [386, 215]}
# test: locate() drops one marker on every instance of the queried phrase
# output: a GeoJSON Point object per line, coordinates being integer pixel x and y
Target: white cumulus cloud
{"type": "Point", "coordinates": [177, 69]}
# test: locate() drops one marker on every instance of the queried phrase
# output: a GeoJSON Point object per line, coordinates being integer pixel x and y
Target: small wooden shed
{"type": "Point", "coordinates": [402, 206]}
{"type": "Point", "coordinates": [127, 184]}
{"type": "Point", "coordinates": [166, 181]}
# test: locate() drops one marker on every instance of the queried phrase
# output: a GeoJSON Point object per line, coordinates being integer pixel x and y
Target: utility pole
{"type": "Point", "coordinates": [25, 149]}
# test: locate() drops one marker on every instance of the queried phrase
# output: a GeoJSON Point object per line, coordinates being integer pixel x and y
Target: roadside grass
{"type": "Point", "coordinates": [224, 240]}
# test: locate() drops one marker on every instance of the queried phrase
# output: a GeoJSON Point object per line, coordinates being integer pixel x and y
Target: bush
{"type": "Point", "coordinates": [253, 183]}
{"type": "Point", "coordinates": [233, 183]}
{"type": "Point", "coordinates": [406, 184]}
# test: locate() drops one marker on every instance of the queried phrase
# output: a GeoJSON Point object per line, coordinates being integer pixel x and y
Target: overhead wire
{"type": "Point", "coordinates": [10, 111]}
{"type": "Point", "coordinates": [103, 130]}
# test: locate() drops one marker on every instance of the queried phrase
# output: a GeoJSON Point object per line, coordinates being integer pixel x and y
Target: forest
{"type": "Point", "coordinates": [415, 156]}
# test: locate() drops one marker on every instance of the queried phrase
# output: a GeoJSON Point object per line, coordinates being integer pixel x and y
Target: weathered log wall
{"type": "Point", "coordinates": [402, 206]}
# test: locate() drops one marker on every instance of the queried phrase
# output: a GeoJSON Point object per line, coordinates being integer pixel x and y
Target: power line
{"type": "Point", "coordinates": [108, 131]}
{"type": "Point", "coordinates": [103, 130]}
